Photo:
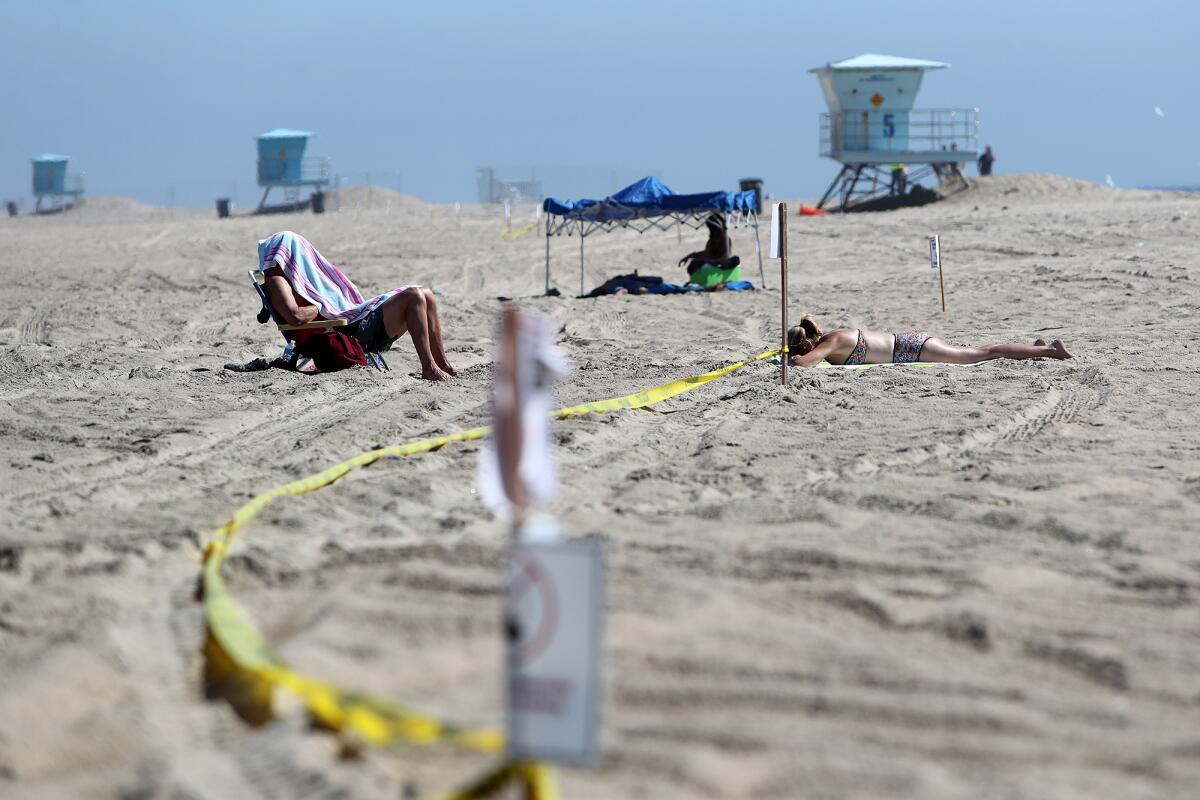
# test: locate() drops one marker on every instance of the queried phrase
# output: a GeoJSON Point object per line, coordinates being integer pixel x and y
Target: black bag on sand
{"type": "Point", "coordinates": [328, 350]}
{"type": "Point", "coordinates": [257, 365]}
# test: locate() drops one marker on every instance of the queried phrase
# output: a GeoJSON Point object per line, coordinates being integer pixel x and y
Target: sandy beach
{"type": "Point", "coordinates": [954, 582]}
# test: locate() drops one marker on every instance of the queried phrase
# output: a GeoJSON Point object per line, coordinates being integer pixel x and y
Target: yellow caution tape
{"type": "Point", "coordinates": [658, 393]}
{"type": "Point", "coordinates": [508, 236]}
{"type": "Point", "coordinates": [242, 666]}
{"type": "Point", "coordinates": [536, 778]}
{"type": "Point", "coordinates": [254, 668]}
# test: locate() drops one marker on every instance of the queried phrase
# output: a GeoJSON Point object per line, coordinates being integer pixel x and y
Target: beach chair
{"type": "Point", "coordinates": [258, 278]}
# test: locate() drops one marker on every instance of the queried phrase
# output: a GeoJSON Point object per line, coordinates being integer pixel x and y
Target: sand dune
{"type": "Point", "coordinates": [119, 210]}
{"type": "Point", "coordinates": [374, 197]}
{"type": "Point", "coordinates": [1026, 187]}
{"type": "Point", "coordinates": [941, 583]}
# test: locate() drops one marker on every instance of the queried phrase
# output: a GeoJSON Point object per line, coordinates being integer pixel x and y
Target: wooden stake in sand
{"type": "Point", "coordinates": [508, 433]}
{"type": "Point", "coordinates": [935, 261]}
{"type": "Point", "coordinates": [779, 250]}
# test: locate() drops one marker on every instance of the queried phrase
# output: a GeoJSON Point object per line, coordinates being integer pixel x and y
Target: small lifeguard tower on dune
{"type": "Point", "coordinates": [283, 165]}
{"type": "Point", "coordinates": [872, 130]}
{"type": "Point", "coordinates": [54, 188]}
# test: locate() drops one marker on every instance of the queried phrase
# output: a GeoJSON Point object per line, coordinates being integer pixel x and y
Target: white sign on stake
{"type": "Point", "coordinates": [935, 252]}
{"type": "Point", "coordinates": [775, 223]}
{"type": "Point", "coordinates": [554, 614]}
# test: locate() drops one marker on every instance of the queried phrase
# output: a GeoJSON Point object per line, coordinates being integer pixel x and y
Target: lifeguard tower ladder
{"type": "Point", "coordinates": [281, 164]}
{"type": "Point", "coordinates": [54, 189]}
{"type": "Point", "coordinates": [872, 129]}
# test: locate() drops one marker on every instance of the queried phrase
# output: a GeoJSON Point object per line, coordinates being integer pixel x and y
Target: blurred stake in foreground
{"type": "Point", "coordinates": [517, 471]}
{"type": "Point", "coordinates": [555, 587]}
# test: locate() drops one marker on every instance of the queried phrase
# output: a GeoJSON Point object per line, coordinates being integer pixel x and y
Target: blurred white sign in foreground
{"type": "Point", "coordinates": [555, 621]}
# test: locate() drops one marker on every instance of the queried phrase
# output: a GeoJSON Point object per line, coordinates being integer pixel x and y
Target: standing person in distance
{"type": "Point", "coordinates": [985, 162]}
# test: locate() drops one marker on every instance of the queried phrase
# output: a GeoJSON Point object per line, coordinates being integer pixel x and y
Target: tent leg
{"type": "Point", "coordinates": [581, 260]}
{"type": "Point", "coordinates": [762, 279]}
{"type": "Point", "coordinates": [547, 261]}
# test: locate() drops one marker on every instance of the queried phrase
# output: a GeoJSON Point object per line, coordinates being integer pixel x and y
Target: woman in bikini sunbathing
{"type": "Point", "coordinates": [807, 345]}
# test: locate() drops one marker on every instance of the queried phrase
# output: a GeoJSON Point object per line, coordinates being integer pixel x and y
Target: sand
{"type": "Point", "coordinates": [936, 583]}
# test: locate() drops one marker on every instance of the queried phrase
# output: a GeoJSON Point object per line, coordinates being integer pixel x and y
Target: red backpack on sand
{"type": "Point", "coordinates": [331, 350]}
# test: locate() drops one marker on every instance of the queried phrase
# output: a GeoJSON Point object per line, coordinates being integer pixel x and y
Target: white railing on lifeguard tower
{"type": "Point", "coordinates": [313, 170]}
{"type": "Point", "coordinates": [931, 131]}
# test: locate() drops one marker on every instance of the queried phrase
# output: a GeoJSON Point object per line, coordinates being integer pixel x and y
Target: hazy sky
{"type": "Point", "coordinates": [149, 95]}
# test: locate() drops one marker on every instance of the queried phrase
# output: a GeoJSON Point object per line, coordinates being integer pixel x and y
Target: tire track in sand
{"type": "Point", "coordinates": [263, 427]}
{"type": "Point", "coordinates": [1089, 390]}
{"type": "Point", "coordinates": [35, 328]}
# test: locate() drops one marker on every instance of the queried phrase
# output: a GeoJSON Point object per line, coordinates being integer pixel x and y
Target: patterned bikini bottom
{"type": "Point", "coordinates": [859, 354]}
{"type": "Point", "coordinates": [908, 347]}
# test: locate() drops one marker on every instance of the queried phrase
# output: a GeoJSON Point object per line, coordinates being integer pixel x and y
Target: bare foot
{"type": "Point", "coordinates": [434, 374]}
{"type": "Point", "coordinates": [1039, 342]}
{"type": "Point", "coordinates": [444, 366]}
{"type": "Point", "coordinates": [1060, 349]}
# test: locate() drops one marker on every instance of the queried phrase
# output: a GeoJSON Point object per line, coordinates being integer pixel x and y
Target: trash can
{"type": "Point", "coordinates": [318, 202]}
{"type": "Point", "coordinates": [12, 208]}
{"type": "Point", "coordinates": [222, 207]}
{"type": "Point", "coordinates": [753, 185]}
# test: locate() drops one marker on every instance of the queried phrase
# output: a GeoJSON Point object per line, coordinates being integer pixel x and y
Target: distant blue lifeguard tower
{"type": "Point", "coordinates": [873, 130]}
{"type": "Point", "coordinates": [282, 164]}
{"type": "Point", "coordinates": [54, 189]}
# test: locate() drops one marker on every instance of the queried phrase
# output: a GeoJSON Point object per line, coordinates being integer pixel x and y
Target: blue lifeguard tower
{"type": "Point", "coordinates": [54, 189]}
{"type": "Point", "coordinates": [282, 164]}
{"type": "Point", "coordinates": [884, 145]}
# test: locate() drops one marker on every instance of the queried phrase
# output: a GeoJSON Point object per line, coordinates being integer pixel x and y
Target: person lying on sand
{"type": "Point", "coordinates": [718, 250]}
{"type": "Point", "coordinates": [304, 286]}
{"type": "Point", "coordinates": [849, 346]}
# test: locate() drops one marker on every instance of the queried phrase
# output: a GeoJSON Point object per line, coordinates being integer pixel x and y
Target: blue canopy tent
{"type": "Point", "coordinates": [643, 205]}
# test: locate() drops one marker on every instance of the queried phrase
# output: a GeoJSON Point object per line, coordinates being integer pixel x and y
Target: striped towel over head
{"type": "Point", "coordinates": [315, 279]}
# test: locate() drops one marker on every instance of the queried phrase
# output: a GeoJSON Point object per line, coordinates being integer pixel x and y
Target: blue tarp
{"type": "Point", "coordinates": [649, 197]}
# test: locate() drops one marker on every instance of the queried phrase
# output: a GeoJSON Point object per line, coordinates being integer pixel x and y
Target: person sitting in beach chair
{"type": "Point", "coordinates": [304, 287]}
{"type": "Point", "coordinates": [327, 355]}
{"type": "Point", "coordinates": [718, 250]}
{"type": "Point", "coordinates": [808, 345]}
